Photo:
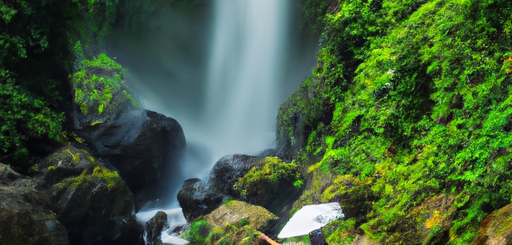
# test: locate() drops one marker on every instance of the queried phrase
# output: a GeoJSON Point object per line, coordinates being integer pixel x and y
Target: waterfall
{"type": "Point", "coordinates": [244, 73]}
{"type": "Point", "coordinates": [221, 72]}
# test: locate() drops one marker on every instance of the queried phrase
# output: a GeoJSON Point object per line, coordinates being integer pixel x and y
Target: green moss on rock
{"type": "Point", "coordinates": [266, 182]}
{"type": "Point", "coordinates": [234, 222]}
{"type": "Point", "coordinates": [99, 88]}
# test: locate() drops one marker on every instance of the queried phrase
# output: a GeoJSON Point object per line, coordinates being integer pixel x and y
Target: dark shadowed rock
{"type": "Point", "coordinates": [91, 201]}
{"type": "Point", "coordinates": [317, 238]}
{"type": "Point", "coordinates": [146, 155]}
{"type": "Point", "coordinates": [154, 228]}
{"type": "Point", "coordinates": [25, 214]}
{"type": "Point", "coordinates": [198, 197]}
{"type": "Point", "coordinates": [143, 145]}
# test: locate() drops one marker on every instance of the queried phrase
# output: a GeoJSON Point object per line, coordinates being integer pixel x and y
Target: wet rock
{"type": "Point", "coordinates": [8, 176]}
{"type": "Point", "coordinates": [496, 228]}
{"type": "Point", "coordinates": [143, 145]}
{"type": "Point", "coordinates": [147, 156]}
{"type": "Point", "coordinates": [154, 228]}
{"type": "Point", "coordinates": [25, 214]}
{"type": "Point", "coordinates": [298, 116]}
{"type": "Point", "coordinates": [91, 201]}
{"type": "Point", "coordinates": [198, 197]}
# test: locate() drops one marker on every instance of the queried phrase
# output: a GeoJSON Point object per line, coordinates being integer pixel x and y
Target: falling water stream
{"type": "Point", "coordinates": [248, 69]}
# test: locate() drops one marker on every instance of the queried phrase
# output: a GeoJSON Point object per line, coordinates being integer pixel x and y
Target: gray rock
{"type": "Point", "coordinates": [198, 197]}
{"type": "Point", "coordinates": [146, 155]}
{"type": "Point", "coordinates": [26, 215]}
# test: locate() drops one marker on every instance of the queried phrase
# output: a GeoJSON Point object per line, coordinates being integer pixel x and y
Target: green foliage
{"type": "Point", "coordinates": [202, 233]}
{"type": "Point", "coordinates": [420, 100]}
{"type": "Point", "coordinates": [35, 61]}
{"type": "Point", "coordinates": [98, 85]}
{"type": "Point", "coordinates": [340, 231]}
{"type": "Point", "coordinates": [313, 13]}
{"type": "Point", "coordinates": [198, 233]}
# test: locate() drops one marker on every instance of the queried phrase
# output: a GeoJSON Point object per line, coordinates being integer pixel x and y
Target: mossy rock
{"type": "Point", "coordinates": [353, 194]}
{"type": "Point", "coordinates": [243, 214]}
{"type": "Point", "coordinates": [25, 214]}
{"type": "Point", "coordinates": [200, 197]}
{"type": "Point", "coordinates": [234, 222]}
{"type": "Point", "coordinates": [496, 228]}
{"type": "Point", "coordinates": [91, 201]}
{"type": "Point", "coordinates": [299, 115]}
{"type": "Point", "coordinates": [99, 90]}
{"type": "Point", "coordinates": [271, 183]}
{"type": "Point", "coordinates": [428, 223]}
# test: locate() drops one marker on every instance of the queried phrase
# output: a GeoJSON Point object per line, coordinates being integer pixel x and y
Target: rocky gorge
{"type": "Point", "coordinates": [403, 120]}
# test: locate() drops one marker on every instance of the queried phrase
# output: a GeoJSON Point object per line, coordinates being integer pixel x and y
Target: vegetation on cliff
{"type": "Point", "coordinates": [409, 101]}
{"type": "Point", "coordinates": [35, 62]}
{"type": "Point", "coordinates": [39, 58]}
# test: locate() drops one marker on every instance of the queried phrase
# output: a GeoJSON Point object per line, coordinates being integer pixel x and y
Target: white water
{"type": "Point", "coordinates": [244, 77]}
{"type": "Point", "coordinates": [244, 73]}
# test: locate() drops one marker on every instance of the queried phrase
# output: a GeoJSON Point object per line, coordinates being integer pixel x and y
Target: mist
{"type": "Point", "coordinates": [220, 69]}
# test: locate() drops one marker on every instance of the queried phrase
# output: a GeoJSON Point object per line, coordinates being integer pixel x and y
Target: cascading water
{"type": "Point", "coordinates": [249, 61]}
{"type": "Point", "coordinates": [243, 77]}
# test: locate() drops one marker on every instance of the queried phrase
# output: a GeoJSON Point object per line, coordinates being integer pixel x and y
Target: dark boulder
{"type": "Point", "coordinates": [154, 228]}
{"type": "Point", "coordinates": [199, 197]}
{"type": "Point", "coordinates": [144, 146]}
{"type": "Point", "coordinates": [146, 151]}
{"type": "Point", "coordinates": [91, 201]}
{"type": "Point", "coordinates": [25, 214]}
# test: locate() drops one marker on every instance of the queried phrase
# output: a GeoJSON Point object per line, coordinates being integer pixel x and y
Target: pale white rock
{"type": "Point", "coordinates": [311, 217]}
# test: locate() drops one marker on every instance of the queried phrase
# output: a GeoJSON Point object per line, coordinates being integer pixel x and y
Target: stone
{"type": "Point", "coordinates": [144, 146]}
{"type": "Point", "coordinates": [25, 215]}
{"type": "Point", "coordinates": [237, 220]}
{"type": "Point", "coordinates": [233, 211]}
{"type": "Point", "coordinates": [154, 228]}
{"type": "Point", "coordinates": [92, 202]}
{"type": "Point", "coordinates": [496, 228]}
{"type": "Point", "coordinates": [199, 197]}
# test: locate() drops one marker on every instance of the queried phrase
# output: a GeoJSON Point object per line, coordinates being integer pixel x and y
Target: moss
{"type": "Point", "coordinates": [99, 86]}
{"type": "Point", "coordinates": [340, 231]}
{"type": "Point", "coordinates": [234, 222]}
{"type": "Point", "coordinates": [408, 101]}
{"type": "Point", "coordinates": [74, 156]}
{"type": "Point", "coordinates": [199, 232]}
{"type": "Point", "coordinates": [265, 182]}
